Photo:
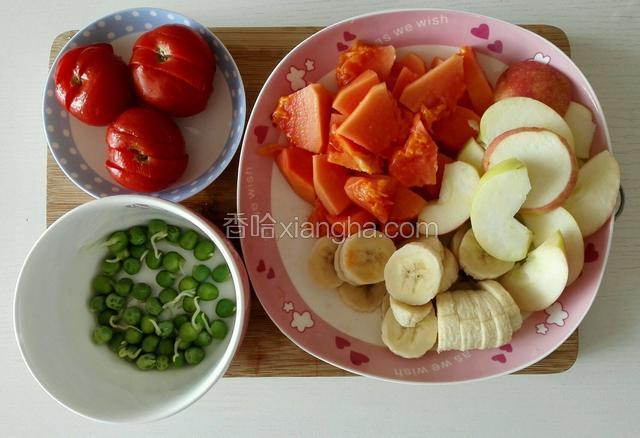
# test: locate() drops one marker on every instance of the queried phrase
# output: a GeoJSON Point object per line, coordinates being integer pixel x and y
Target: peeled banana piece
{"type": "Point", "coordinates": [454, 245]}
{"type": "Point", "coordinates": [365, 298]}
{"type": "Point", "coordinates": [321, 267]}
{"type": "Point", "coordinates": [408, 315]}
{"type": "Point", "coordinates": [362, 257]}
{"type": "Point", "coordinates": [506, 301]}
{"type": "Point", "coordinates": [409, 342]}
{"type": "Point", "coordinates": [450, 270]}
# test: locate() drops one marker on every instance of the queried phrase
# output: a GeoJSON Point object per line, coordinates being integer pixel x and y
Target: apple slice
{"type": "Point", "coordinates": [596, 192]}
{"type": "Point", "coordinates": [580, 120]}
{"type": "Point", "coordinates": [544, 225]}
{"type": "Point", "coordinates": [521, 112]}
{"type": "Point", "coordinates": [500, 194]}
{"type": "Point", "coordinates": [551, 164]}
{"type": "Point", "coordinates": [472, 153]}
{"type": "Point", "coordinates": [453, 205]}
{"type": "Point", "coordinates": [540, 279]}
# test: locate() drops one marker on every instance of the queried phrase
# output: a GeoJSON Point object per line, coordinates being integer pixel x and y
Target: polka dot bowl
{"type": "Point", "coordinates": [212, 136]}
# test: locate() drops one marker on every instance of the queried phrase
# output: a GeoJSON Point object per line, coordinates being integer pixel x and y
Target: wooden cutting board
{"type": "Point", "coordinates": [265, 351]}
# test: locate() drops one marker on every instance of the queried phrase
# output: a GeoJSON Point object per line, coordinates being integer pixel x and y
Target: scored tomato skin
{"type": "Point", "coordinates": [145, 150]}
{"type": "Point", "coordinates": [173, 69]}
{"type": "Point", "coordinates": [93, 84]}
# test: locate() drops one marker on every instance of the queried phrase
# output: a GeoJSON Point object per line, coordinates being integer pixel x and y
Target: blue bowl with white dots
{"type": "Point", "coordinates": [212, 136]}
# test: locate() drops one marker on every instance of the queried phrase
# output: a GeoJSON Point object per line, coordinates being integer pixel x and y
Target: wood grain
{"type": "Point", "coordinates": [265, 351]}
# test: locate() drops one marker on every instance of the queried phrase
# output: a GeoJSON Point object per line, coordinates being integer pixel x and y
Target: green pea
{"type": "Point", "coordinates": [152, 261]}
{"type": "Point", "coordinates": [200, 273]}
{"type": "Point", "coordinates": [137, 251]}
{"type": "Point", "coordinates": [115, 302]}
{"type": "Point", "coordinates": [218, 329]}
{"type": "Point", "coordinates": [132, 336]}
{"type": "Point", "coordinates": [110, 268]}
{"type": "Point", "coordinates": [165, 346]}
{"type": "Point", "coordinates": [200, 319]}
{"type": "Point", "coordinates": [146, 324]}
{"type": "Point", "coordinates": [96, 304]}
{"type": "Point", "coordinates": [132, 315]}
{"type": "Point", "coordinates": [188, 305]}
{"type": "Point", "coordinates": [207, 292]}
{"type": "Point", "coordinates": [173, 234]}
{"type": "Point", "coordinates": [105, 316]}
{"type": "Point", "coordinates": [188, 240]}
{"type": "Point", "coordinates": [123, 286]}
{"type": "Point", "coordinates": [146, 361]}
{"type": "Point", "coordinates": [179, 320]}
{"type": "Point", "coordinates": [127, 352]}
{"type": "Point", "coordinates": [188, 332]}
{"type": "Point", "coordinates": [183, 345]}
{"type": "Point", "coordinates": [131, 266]}
{"type": "Point", "coordinates": [225, 308]}
{"type": "Point", "coordinates": [122, 254]}
{"type": "Point", "coordinates": [117, 241]}
{"type": "Point", "coordinates": [153, 306]}
{"type": "Point", "coordinates": [167, 295]}
{"type": "Point", "coordinates": [203, 339]}
{"type": "Point", "coordinates": [102, 334]}
{"type": "Point", "coordinates": [162, 363]}
{"type": "Point", "coordinates": [194, 355]}
{"type": "Point", "coordinates": [141, 291]}
{"type": "Point", "coordinates": [187, 283]}
{"type": "Point", "coordinates": [157, 226]}
{"type": "Point", "coordinates": [102, 284]}
{"type": "Point", "coordinates": [166, 328]}
{"type": "Point", "coordinates": [221, 273]}
{"type": "Point", "coordinates": [150, 343]}
{"type": "Point", "coordinates": [165, 278]}
{"type": "Point", "coordinates": [173, 262]}
{"type": "Point", "coordinates": [116, 340]}
{"type": "Point", "coordinates": [178, 360]}
{"type": "Point", "coordinates": [137, 235]}
{"type": "Point", "coordinates": [204, 250]}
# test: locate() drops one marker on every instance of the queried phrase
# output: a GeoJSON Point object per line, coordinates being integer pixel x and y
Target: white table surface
{"type": "Point", "coordinates": [599, 395]}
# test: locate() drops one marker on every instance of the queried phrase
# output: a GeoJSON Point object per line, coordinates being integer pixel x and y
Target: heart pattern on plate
{"type": "Point", "coordinates": [348, 36]}
{"type": "Point", "coordinates": [495, 46]}
{"type": "Point", "coordinates": [482, 31]}
{"type": "Point", "coordinates": [507, 347]}
{"type": "Point", "coordinates": [342, 343]}
{"type": "Point", "coordinates": [341, 47]}
{"type": "Point", "coordinates": [499, 358]}
{"type": "Point", "coordinates": [358, 358]}
{"type": "Point", "coordinates": [590, 253]}
{"type": "Point", "coordinates": [261, 133]}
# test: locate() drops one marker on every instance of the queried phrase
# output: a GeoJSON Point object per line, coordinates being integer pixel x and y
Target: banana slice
{"type": "Point", "coordinates": [336, 264]}
{"type": "Point", "coordinates": [321, 267]}
{"type": "Point", "coordinates": [413, 273]}
{"type": "Point", "coordinates": [448, 323]}
{"type": "Point", "coordinates": [504, 332]}
{"type": "Point", "coordinates": [451, 269]}
{"type": "Point", "coordinates": [432, 242]}
{"type": "Point", "coordinates": [408, 315]}
{"type": "Point", "coordinates": [409, 342]}
{"type": "Point", "coordinates": [362, 298]}
{"type": "Point", "coordinates": [476, 262]}
{"type": "Point", "coordinates": [362, 257]}
{"type": "Point", "coordinates": [470, 331]}
{"type": "Point", "coordinates": [487, 322]}
{"type": "Point", "coordinates": [506, 301]}
{"type": "Point", "coordinates": [457, 238]}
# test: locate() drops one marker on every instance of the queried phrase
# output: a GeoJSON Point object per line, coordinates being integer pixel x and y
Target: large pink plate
{"type": "Point", "coordinates": [314, 318]}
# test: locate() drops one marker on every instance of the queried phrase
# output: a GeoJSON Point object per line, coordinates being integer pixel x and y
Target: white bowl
{"type": "Point", "coordinates": [53, 325]}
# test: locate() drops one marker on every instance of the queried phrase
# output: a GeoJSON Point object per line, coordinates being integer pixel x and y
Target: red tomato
{"type": "Point", "coordinates": [93, 84]}
{"type": "Point", "coordinates": [173, 69]}
{"type": "Point", "coordinates": [146, 151]}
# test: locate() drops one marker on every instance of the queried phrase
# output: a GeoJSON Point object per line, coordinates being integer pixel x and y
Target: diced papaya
{"type": "Point", "coordinates": [442, 85]}
{"type": "Point", "coordinates": [297, 167]}
{"type": "Point", "coordinates": [374, 123]}
{"type": "Point", "coordinates": [318, 221]}
{"type": "Point", "coordinates": [407, 205]}
{"type": "Point", "coordinates": [303, 117]}
{"type": "Point", "coordinates": [328, 181]}
{"type": "Point", "coordinates": [405, 77]}
{"type": "Point", "coordinates": [351, 221]}
{"type": "Point", "coordinates": [433, 114]}
{"type": "Point", "coordinates": [374, 194]}
{"type": "Point", "coordinates": [432, 191]}
{"type": "Point", "coordinates": [271, 150]}
{"type": "Point", "coordinates": [478, 87]}
{"type": "Point", "coordinates": [361, 57]}
{"type": "Point", "coordinates": [344, 152]}
{"type": "Point", "coordinates": [335, 120]}
{"type": "Point", "coordinates": [350, 95]}
{"type": "Point", "coordinates": [456, 129]}
{"type": "Point", "coordinates": [415, 164]}
{"type": "Point", "coordinates": [465, 101]}
{"type": "Point", "coordinates": [436, 61]}
{"type": "Point", "coordinates": [414, 63]}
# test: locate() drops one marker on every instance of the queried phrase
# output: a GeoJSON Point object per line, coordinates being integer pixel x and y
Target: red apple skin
{"type": "Point", "coordinates": [573, 177]}
{"type": "Point", "coordinates": [537, 81]}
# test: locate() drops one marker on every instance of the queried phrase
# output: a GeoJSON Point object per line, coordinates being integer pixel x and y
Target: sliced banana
{"type": "Point", "coordinates": [321, 266]}
{"type": "Point", "coordinates": [476, 262]}
{"type": "Point", "coordinates": [470, 331]}
{"type": "Point", "coordinates": [409, 342]}
{"type": "Point", "coordinates": [457, 238]}
{"type": "Point", "coordinates": [501, 319]}
{"type": "Point", "coordinates": [487, 321]}
{"type": "Point", "coordinates": [408, 315]}
{"type": "Point", "coordinates": [365, 298]}
{"type": "Point", "coordinates": [413, 273]}
{"type": "Point", "coordinates": [362, 257]}
{"type": "Point", "coordinates": [336, 264]}
{"type": "Point", "coordinates": [432, 242]}
{"type": "Point", "coordinates": [506, 301]}
{"type": "Point", "coordinates": [451, 270]}
{"type": "Point", "coordinates": [448, 323]}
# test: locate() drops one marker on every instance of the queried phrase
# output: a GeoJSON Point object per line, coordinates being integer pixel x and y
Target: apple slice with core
{"type": "Point", "coordinates": [453, 206]}
{"type": "Point", "coordinates": [545, 225]}
{"type": "Point", "coordinates": [580, 120]}
{"type": "Point", "coordinates": [521, 112]}
{"type": "Point", "coordinates": [472, 153]}
{"type": "Point", "coordinates": [551, 164]}
{"type": "Point", "coordinates": [596, 192]}
{"type": "Point", "coordinates": [500, 194]}
{"type": "Point", "coordinates": [539, 281]}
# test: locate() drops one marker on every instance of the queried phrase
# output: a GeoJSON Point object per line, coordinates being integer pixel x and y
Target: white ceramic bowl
{"type": "Point", "coordinates": [53, 325]}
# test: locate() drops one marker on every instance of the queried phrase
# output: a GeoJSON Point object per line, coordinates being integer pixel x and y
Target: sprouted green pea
{"type": "Point", "coordinates": [96, 304]}
{"type": "Point", "coordinates": [184, 294]}
{"type": "Point", "coordinates": [187, 283]}
{"type": "Point", "coordinates": [131, 265]}
{"type": "Point", "coordinates": [204, 250]}
{"type": "Point", "coordinates": [114, 301]}
{"type": "Point", "coordinates": [137, 251]}
{"type": "Point", "coordinates": [165, 329]}
{"type": "Point", "coordinates": [203, 339]}
{"type": "Point", "coordinates": [157, 226]}
{"type": "Point", "coordinates": [167, 294]}
{"type": "Point", "coordinates": [141, 291]}
{"type": "Point", "coordinates": [132, 315]}
{"type": "Point", "coordinates": [123, 286]}
{"type": "Point", "coordinates": [173, 262]}
{"type": "Point", "coordinates": [102, 284]}
{"type": "Point", "coordinates": [153, 306]}
{"type": "Point", "coordinates": [178, 360]}
{"type": "Point", "coordinates": [146, 361]}
{"type": "Point", "coordinates": [116, 341]}
{"type": "Point", "coordinates": [225, 308]}
{"type": "Point", "coordinates": [150, 343]}
{"type": "Point", "coordinates": [104, 317]}
{"type": "Point", "coordinates": [194, 355]}
{"type": "Point", "coordinates": [218, 329]}
{"type": "Point", "coordinates": [165, 278]}
{"type": "Point", "coordinates": [137, 235]}
{"type": "Point", "coordinates": [188, 304]}
{"type": "Point", "coordinates": [221, 273]}
{"type": "Point", "coordinates": [207, 292]}
{"type": "Point", "coordinates": [102, 334]}
{"type": "Point", "coordinates": [117, 242]}
{"type": "Point", "coordinates": [148, 324]}
{"type": "Point", "coordinates": [112, 322]}
{"type": "Point", "coordinates": [110, 268]}
{"type": "Point", "coordinates": [165, 346]}
{"type": "Point", "coordinates": [200, 273]}
{"type": "Point", "coordinates": [132, 336]}
{"type": "Point", "coordinates": [162, 362]}
{"type": "Point", "coordinates": [173, 234]}
{"type": "Point", "coordinates": [179, 320]}
{"type": "Point", "coordinates": [118, 256]}
{"type": "Point", "coordinates": [153, 259]}
{"type": "Point", "coordinates": [188, 332]}
{"type": "Point", "coordinates": [188, 240]}
{"type": "Point", "coordinates": [129, 352]}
